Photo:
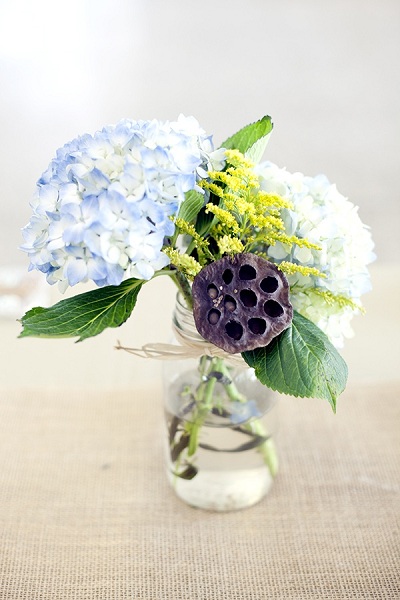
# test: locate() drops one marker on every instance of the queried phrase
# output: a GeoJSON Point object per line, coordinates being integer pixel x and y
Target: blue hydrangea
{"type": "Point", "coordinates": [102, 209]}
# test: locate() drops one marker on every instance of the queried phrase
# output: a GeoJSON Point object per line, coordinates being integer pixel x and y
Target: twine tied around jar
{"type": "Point", "coordinates": [190, 344]}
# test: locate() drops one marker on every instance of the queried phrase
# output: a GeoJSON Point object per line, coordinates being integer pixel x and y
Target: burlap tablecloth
{"type": "Point", "coordinates": [86, 512]}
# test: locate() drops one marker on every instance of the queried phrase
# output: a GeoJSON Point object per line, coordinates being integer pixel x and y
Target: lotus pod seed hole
{"type": "Point", "coordinates": [227, 276]}
{"type": "Point", "coordinates": [234, 330]}
{"type": "Point", "coordinates": [273, 309]}
{"type": "Point", "coordinates": [247, 272]}
{"type": "Point", "coordinates": [248, 298]}
{"type": "Point", "coordinates": [212, 291]}
{"type": "Point", "coordinates": [213, 316]}
{"type": "Point", "coordinates": [229, 303]}
{"type": "Point", "coordinates": [269, 285]}
{"type": "Point", "coordinates": [257, 326]}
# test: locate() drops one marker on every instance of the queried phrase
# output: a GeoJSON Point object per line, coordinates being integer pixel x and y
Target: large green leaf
{"type": "Point", "coordinates": [191, 206]}
{"type": "Point", "coordinates": [252, 139]}
{"type": "Point", "coordinates": [85, 315]}
{"type": "Point", "coordinates": [301, 361]}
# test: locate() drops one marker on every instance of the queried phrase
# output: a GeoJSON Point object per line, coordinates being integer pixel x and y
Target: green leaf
{"type": "Point", "coordinates": [191, 206]}
{"type": "Point", "coordinates": [302, 362]}
{"type": "Point", "coordinates": [252, 139]}
{"type": "Point", "coordinates": [206, 220]}
{"type": "Point", "coordinates": [256, 152]}
{"type": "Point", "coordinates": [85, 315]}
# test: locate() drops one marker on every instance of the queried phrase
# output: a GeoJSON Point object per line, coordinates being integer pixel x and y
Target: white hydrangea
{"type": "Point", "coordinates": [326, 218]}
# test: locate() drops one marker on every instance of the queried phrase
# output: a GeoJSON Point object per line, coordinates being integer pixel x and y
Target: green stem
{"type": "Point", "coordinates": [267, 449]}
{"type": "Point", "coordinates": [210, 372]}
{"type": "Point", "coordinates": [204, 402]}
{"type": "Point", "coordinates": [230, 388]}
{"type": "Point", "coordinates": [183, 286]}
{"type": "Point", "coordinates": [181, 283]}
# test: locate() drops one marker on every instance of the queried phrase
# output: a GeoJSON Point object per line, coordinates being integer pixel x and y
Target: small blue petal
{"type": "Point", "coordinates": [75, 271]}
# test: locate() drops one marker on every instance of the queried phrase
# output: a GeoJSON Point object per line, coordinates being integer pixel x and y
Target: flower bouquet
{"type": "Point", "coordinates": [269, 268]}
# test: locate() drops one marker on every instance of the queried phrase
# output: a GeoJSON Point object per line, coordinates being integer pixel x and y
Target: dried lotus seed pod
{"type": "Point", "coordinates": [241, 303]}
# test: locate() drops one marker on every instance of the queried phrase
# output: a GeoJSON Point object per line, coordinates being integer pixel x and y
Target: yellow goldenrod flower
{"type": "Point", "coordinates": [224, 216]}
{"type": "Point", "coordinates": [230, 245]}
{"type": "Point", "coordinates": [292, 239]}
{"type": "Point", "coordinates": [212, 187]}
{"type": "Point", "coordinates": [291, 268]}
{"type": "Point", "coordinates": [273, 200]}
{"type": "Point", "coordinates": [237, 159]}
{"type": "Point", "coordinates": [183, 262]}
{"type": "Point", "coordinates": [338, 299]}
{"type": "Point", "coordinates": [200, 243]}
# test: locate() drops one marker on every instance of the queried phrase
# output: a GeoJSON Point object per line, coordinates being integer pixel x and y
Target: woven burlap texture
{"type": "Point", "coordinates": [86, 512]}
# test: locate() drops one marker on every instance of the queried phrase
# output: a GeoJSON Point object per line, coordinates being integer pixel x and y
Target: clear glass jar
{"type": "Point", "coordinates": [220, 421]}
